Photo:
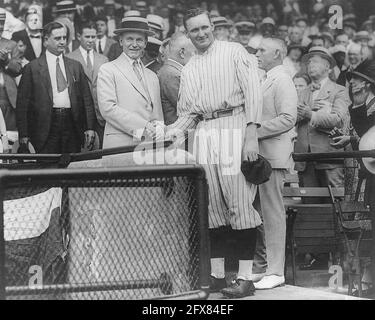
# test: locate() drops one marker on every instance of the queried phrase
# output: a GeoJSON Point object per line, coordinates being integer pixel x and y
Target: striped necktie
{"type": "Point", "coordinates": [60, 79]}
{"type": "Point", "coordinates": [90, 68]}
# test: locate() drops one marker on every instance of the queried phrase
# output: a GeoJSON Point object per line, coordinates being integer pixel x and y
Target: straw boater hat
{"type": "Point", "coordinates": [132, 13]}
{"type": "Point", "coordinates": [155, 21]}
{"type": "Point", "coordinates": [362, 35]}
{"type": "Point", "coordinates": [322, 52]}
{"type": "Point", "coordinates": [244, 27]}
{"type": "Point", "coordinates": [220, 22]}
{"type": "Point", "coordinates": [268, 20]}
{"type": "Point", "coordinates": [65, 6]}
{"type": "Point", "coordinates": [134, 24]}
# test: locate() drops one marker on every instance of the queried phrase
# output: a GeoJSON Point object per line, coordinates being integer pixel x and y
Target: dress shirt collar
{"type": "Point", "coordinates": [84, 52]}
{"type": "Point", "coordinates": [30, 34]}
{"type": "Point", "coordinates": [51, 57]}
{"type": "Point", "coordinates": [131, 61]}
{"type": "Point", "coordinates": [275, 71]}
{"type": "Point", "coordinates": [323, 82]}
{"type": "Point", "coordinates": [175, 62]}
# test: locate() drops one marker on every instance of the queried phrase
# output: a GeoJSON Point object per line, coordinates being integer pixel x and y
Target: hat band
{"type": "Point", "coordinates": [134, 25]}
{"type": "Point", "coordinates": [154, 25]}
{"type": "Point", "coordinates": [66, 7]}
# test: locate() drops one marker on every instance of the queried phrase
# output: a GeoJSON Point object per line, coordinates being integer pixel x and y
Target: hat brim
{"type": "Point", "coordinates": [331, 60]}
{"type": "Point", "coordinates": [350, 75]}
{"type": "Point", "coordinates": [122, 30]}
{"type": "Point", "coordinates": [227, 25]}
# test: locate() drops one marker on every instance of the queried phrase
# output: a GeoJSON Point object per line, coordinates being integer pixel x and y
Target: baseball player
{"type": "Point", "coordinates": [220, 95]}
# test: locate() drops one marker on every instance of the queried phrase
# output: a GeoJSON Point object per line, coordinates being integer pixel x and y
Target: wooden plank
{"type": "Point", "coordinates": [314, 217]}
{"type": "Point", "coordinates": [312, 192]}
{"type": "Point", "coordinates": [316, 249]}
{"type": "Point", "coordinates": [313, 233]}
{"type": "Point", "coordinates": [351, 206]}
{"type": "Point", "coordinates": [316, 241]}
{"type": "Point", "coordinates": [315, 225]}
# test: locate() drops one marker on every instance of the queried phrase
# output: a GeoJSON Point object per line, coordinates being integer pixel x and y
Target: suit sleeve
{"type": "Point", "coordinates": [88, 101]}
{"type": "Point", "coordinates": [286, 102]}
{"type": "Point", "coordinates": [335, 118]}
{"type": "Point", "coordinates": [23, 102]}
{"type": "Point", "coordinates": [118, 117]}
{"type": "Point", "coordinates": [248, 76]}
{"type": "Point", "coordinates": [169, 86]}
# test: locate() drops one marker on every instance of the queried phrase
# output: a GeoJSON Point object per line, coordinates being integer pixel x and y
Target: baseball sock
{"type": "Point", "coordinates": [245, 249]}
{"type": "Point", "coordinates": [218, 238]}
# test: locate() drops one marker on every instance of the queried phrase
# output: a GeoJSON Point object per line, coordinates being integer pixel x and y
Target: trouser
{"type": "Point", "coordinates": [62, 137]}
{"type": "Point", "coordinates": [218, 148]}
{"type": "Point", "coordinates": [271, 235]}
{"type": "Point", "coordinates": [313, 177]}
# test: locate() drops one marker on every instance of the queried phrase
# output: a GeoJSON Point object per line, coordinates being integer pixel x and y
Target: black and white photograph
{"type": "Point", "coordinates": [218, 152]}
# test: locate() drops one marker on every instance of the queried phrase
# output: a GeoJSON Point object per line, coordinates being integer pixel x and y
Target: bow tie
{"type": "Point", "coordinates": [35, 37]}
{"type": "Point", "coordinates": [315, 86]}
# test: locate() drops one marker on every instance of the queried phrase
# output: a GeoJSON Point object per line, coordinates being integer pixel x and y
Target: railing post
{"type": "Point", "coordinates": [201, 190]}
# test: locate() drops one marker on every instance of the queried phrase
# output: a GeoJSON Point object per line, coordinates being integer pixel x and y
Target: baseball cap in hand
{"type": "Point", "coordinates": [257, 172]}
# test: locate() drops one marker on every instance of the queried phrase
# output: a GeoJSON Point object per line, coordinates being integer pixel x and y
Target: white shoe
{"type": "Point", "coordinates": [257, 276]}
{"type": "Point", "coordinates": [269, 282]}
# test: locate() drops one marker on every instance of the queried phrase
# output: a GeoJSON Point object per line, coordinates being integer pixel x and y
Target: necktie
{"type": "Point", "coordinates": [89, 64]}
{"type": "Point", "coordinates": [100, 47]}
{"type": "Point", "coordinates": [138, 71]}
{"type": "Point", "coordinates": [315, 86]}
{"type": "Point", "coordinates": [60, 79]}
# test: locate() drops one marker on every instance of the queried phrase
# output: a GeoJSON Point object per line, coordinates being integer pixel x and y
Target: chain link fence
{"type": "Point", "coordinates": [129, 233]}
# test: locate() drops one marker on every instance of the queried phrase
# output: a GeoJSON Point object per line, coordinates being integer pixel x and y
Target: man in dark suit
{"type": "Point", "coordinates": [91, 61]}
{"type": "Point", "coordinates": [31, 36]}
{"type": "Point", "coordinates": [10, 67]}
{"type": "Point", "coordinates": [55, 110]}
{"type": "Point", "coordinates": [180, 51]}
{"type": "Point", "coordinates": [103, 42]}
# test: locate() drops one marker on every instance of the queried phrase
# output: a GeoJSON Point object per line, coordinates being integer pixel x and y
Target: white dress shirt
{"type": "Point", "coordinates": [60, 99]}
{"type": "Point", "coordinates": [36, 44]}
{"type": "Point", "coordinates": [84, 55]}
{"type": "Point", "coordinates": [103, 42]}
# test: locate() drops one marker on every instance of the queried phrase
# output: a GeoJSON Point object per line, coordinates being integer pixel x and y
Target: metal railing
{"type": "Point", "coordinates": [118, 233]}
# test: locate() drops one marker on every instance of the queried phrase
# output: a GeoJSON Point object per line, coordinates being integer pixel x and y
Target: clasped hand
{"type": "Point", "coordinates": [155, 129]}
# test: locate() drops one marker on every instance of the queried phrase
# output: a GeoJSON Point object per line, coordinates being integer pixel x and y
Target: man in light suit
{"type": "Point", "coordinates": [275, 144]}
{"type": "Point", "coordinates": [91, 62]}
{"type": "Point", "coordinates": [10, 67]}
{"type": "Point", "coordinates": [323, 106]}
{"type": "Point", "coordinates": [129, 93]}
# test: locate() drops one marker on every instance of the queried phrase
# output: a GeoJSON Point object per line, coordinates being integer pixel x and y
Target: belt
{"type": "Point", "coordinates": [61, 110]}
{"type": "Point", "coordinates": [220, 113]}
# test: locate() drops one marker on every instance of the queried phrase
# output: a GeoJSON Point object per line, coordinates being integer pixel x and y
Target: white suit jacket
{"type": "Point", "coordinates": [123, 102]}
{"type": "Point", "coordinates": [279, 116]}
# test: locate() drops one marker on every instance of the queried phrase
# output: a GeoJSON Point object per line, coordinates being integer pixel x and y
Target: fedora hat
{"type": "Point", "coordinates": [257, 172]}
{"type": "Point", "coordinates": [65, 6]}
{"type": "Point", "coordinates": [365, 70]}
{"type": "Point", "coordinates": [322, 52]}
{"type": "Point", "coordinates": [134, 24]}
{"type": "Point", "coordinates": [367, 142]}
{"type": "Point", "coordinates": [220, 22]}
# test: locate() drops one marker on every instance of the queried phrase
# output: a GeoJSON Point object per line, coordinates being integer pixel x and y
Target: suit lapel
{"type": "Point", "coordinates": [325, 91]}
{"type": "Point", "coordinates": [127, 71]}
{"type": "Point", "coordinates": [83, 63]}
{"type": "Point", "coordinates": [69, 70]}
{"type": "Point", "coordinates": [96, 66]}
{"type": "Point", "coordinates": [44, 75]}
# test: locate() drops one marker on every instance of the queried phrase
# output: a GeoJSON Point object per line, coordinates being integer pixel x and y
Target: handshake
{"type": "Point", "coordinates": [157, 130]}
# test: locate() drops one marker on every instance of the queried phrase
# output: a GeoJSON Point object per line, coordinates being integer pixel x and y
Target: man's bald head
{"type": "Point", "coordinates": [271, 53]}
{"type": "Point", "coordinates": [181, 48]}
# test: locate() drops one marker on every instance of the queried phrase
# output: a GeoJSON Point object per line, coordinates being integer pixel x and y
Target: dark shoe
{"type": "Point", "coordinates": [217, 284]}
{"type": "Point", "coordinates": [239, 288]}
{"type": "Point", "coordinates": [365, 293]}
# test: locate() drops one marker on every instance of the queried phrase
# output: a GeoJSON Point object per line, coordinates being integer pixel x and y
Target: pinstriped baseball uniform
{"type": "Point", "coordinates": [223, 75]}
